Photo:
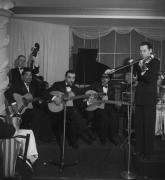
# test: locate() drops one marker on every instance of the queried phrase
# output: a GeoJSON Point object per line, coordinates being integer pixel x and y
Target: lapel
{"type": "Point", "coordinates": [109, 89]}
{"type": "Point", "coordinates": [63, 86]}
{"type": "Point", "coordinates": [32, 89]}
{"type": "Point", "coordinates": [24, 89]}
{"type": "Point", "coordinates": [99, 87]}
{"type": "Point", "coordinates": [18, 72]}
{"type": "Point", "coordinates": [73, 88]}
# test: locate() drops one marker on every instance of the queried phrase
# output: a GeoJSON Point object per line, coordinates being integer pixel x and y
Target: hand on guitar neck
{"type": "Point", "coordinates": [14, 109]}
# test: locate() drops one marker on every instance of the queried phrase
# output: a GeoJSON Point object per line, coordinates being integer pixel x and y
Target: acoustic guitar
{"type": "Point", "coordinates": [24, 102]}
{"type": "Point", "coordinates": [62, 99]}
{"type": "Point", "coordinates": [95, 103]}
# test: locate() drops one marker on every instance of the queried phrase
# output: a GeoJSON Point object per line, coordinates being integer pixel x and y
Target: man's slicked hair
{"type": "Point", "coordinates": [26, 69]}
{"type": "Point", "coordinates": [69, 71]}
{"type": "Point", "coordinates": [146, 43]}
{"type": "Point", "coordinates": [21, 55]}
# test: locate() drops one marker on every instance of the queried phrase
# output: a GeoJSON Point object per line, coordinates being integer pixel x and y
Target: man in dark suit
{"type": "Point", "coordinates": [75, 120]}
{"type": "Point", "coordinates": [146, 72]}
{"type": "Point", "coordinates": [32, 117]}
{"type": "Point", "coordinates": [15, 73]}
{"type": "Point", "coordinates": [6, 130]}
{"type": "Point", "coordinates": [104, 117]}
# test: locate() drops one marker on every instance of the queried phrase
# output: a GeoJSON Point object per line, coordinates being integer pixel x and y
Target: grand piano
{"type": "Point", "coordinates": [88, 70]}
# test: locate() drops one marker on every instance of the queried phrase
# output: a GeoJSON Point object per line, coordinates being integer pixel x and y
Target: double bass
{"type": "Point", "coordinates": [31, 62]}
{"type": "Point", "coordinates": [34, 51]}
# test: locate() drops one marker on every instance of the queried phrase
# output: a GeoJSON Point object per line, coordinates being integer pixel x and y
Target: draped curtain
{"type": "Point", "coordinates": [96, 32]}
{"type": "Point", "coordinates": [54, 46]}
{"type": "Point", "coordinates": [117, 44]}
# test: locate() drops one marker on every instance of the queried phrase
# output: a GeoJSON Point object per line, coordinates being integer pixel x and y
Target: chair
{"type": "Point", "coordinates": [10, 151]}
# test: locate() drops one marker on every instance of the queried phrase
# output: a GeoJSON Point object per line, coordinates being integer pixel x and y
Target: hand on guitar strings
{"type": "Point", "coordinates": [14, 108]}
{"type": "Point", "coordinates": [57, 100]}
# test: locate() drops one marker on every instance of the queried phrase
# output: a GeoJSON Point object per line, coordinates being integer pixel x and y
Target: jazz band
{"type": "Point", "coordinates": [98, 99]}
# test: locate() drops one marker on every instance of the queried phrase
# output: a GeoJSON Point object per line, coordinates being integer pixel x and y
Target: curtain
{"type": "Point", "coordinates": [54, 46]}
{"type": "Point", "coordinates": [96, 32]}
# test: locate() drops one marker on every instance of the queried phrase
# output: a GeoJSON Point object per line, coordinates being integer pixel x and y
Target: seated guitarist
{"type": "Point", "coordinates": [77, 123]}
{"type": "Point", "coordinates": [103, 116]}
{"type": "Point", "coordinates": [20, 97]}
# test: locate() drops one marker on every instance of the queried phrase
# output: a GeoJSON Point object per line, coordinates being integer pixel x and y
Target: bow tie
{"type": "Point", "coordinates": [27, 84]}
{"type": "Point", "coordinates": [105, 86]}
{"type": "Point", "coordinates": [67, 86]}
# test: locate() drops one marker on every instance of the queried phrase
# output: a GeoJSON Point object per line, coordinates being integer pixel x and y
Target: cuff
{"type": "Point", "coordinates": [53, 98]}
{"type": "Point", "coordinates": [14, 103]}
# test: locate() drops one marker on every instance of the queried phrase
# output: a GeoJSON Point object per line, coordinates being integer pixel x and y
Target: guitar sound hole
{"type": "Point", "coordinates": [25, 101]}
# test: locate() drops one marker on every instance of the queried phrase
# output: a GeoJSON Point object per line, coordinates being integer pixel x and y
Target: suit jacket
{"type": "Point", "coordinates": [6, 130]}
{"type": "Point", "coordinates": [97, 86]}
{"type": "Point", "coordinates": [22, 90]}
{"type": "Point", "coordinates": [146, 90]}
{"type": "Point", "coordinates": [15, 76]}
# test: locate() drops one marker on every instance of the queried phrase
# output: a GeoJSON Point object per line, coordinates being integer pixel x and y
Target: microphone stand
{"type": "Point", "coordinates": [162, 120]}
{"type": "Point", "coordinates": [62, 163]}
{"type": "Point", "coordinates": [127, 174]}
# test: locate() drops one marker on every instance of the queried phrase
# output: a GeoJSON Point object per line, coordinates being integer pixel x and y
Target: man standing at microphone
{"type": "Point", "coordinates": [146, 72]}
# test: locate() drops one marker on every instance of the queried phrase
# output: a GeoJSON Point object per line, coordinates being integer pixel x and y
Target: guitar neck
{"type": "Point", "coordinates": [85, 96]}
{"type": "Point", "coordinates": [113, 102]}
{"type": "Point", "coordinates": [34, 99]}
{"type": "Point", "coordinates": [79, 97]}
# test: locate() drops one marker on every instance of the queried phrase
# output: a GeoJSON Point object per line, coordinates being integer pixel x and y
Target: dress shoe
{"type": "Point", "coordinates": [103, 141]}
{"type": "Point", "coordinates": [146, 158]}
{"type": "Point", "coordinates": [115, 141]}
{"type": "Point", "coordinates": [91, 135]}
{"type": "Point", "coordinates": [86, 138]}
{"type": "Point", "coordinates": [138, 155]}
{"type": "Point", "coordinates": [75, 146]}
{"type": "Point", "coordinates": [121, 137]}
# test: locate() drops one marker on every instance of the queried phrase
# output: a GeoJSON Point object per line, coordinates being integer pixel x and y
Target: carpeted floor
{"type": "Point", "coordinates": [96, 161]}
